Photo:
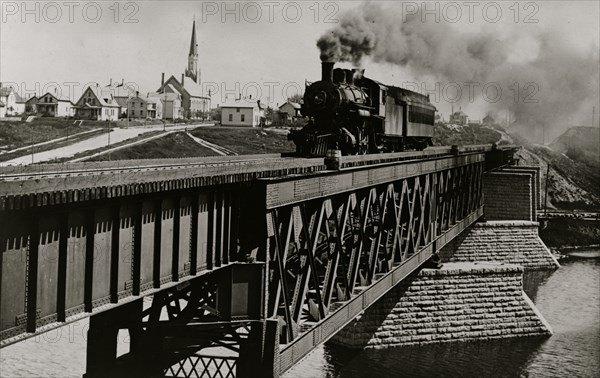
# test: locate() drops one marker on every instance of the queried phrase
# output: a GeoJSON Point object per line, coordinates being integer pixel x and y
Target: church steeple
{"type": "Point", "coordinates": [193, 44]}
{"type": "Point", "coordinates": [193, 71]}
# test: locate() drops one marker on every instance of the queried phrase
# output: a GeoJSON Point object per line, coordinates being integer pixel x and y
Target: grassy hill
{"type": "Point", "coordinates": [176, 145]}
{"type": "Point", "coordinates": [16, 134]}
{"type": "Point", "coordinates": [247, 141]}
{"type": "Point", "coordinates": [243, 141]}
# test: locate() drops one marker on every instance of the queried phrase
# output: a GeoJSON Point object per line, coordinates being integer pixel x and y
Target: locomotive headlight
{"type": "Point", "coordinates": [319, 98]}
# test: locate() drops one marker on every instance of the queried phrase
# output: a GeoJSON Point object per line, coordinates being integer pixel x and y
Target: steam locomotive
{"type": "Point", "coordinates": [357, 115]}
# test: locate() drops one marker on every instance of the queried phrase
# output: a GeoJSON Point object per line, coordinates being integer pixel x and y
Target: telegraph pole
{"type": "Point", "coordinates": [108, 127]}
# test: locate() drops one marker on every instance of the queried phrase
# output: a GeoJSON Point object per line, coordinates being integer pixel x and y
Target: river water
{"type": "Point", "coordinates": [569, 299]}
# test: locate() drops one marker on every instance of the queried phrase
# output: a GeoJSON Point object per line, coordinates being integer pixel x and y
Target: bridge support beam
{"type": "Point", "coordinates": [259, 354]}
{"type": "Point", "coordinates": [103, 334]}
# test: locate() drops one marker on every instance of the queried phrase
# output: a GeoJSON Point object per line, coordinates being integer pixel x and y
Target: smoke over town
{"type": "Point", "coordinates": [557, 85]}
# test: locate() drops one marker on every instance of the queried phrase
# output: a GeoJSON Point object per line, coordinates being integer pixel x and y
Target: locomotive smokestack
{"type": "Point", "coordinates": [349, 77]}
{"type": "Point", "coordinates": [327, 71]}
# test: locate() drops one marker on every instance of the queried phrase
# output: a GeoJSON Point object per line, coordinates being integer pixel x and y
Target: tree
{"type": "Point", "coordinates": [297, 98]}
{"type": "Point", "coordinates": [271, 115]}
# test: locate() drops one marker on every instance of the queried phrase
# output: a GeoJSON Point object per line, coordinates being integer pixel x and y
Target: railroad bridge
{"type": "Point", "coordinates": [260, 257]}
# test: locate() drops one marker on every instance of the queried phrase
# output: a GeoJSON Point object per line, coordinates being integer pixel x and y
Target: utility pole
{"type": "Point", "coordinates": [546, 195]}
{"type": "Point", "coordinates": [209, 105]}
{"type": "Point", "coordinates": [32, 148]}
{"type": "Point", "coordinates": [543, 135]}
{"type": "Point", "coordinates": [108, 125]}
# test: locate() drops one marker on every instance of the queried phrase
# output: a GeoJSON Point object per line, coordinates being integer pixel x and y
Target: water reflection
{"type": "Point", "coordinates": [505, 358]}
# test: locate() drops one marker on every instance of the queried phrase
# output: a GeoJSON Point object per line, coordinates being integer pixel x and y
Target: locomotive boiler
{"type": "Point", "coordinates": [357, 115]}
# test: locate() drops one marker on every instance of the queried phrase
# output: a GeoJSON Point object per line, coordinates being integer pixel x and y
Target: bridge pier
{"type": "Point", "coordinates": [259, 354]}
{"type": "Point", "coordinates": [460, 302]}
{"type": "Point", "coordinates": [509, 231]}
{"type": "Point", "coordinates": [507, 242]}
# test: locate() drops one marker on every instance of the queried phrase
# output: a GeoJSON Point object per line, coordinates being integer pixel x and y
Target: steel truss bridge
{"type": "Point", "coordinates": [257, 258]}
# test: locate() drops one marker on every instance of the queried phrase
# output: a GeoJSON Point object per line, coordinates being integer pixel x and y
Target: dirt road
{"type": "Point", "coordinates": [117, 135]}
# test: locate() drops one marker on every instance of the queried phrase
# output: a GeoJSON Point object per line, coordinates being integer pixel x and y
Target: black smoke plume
{"type": "Point", "coordinates": [565, 81]}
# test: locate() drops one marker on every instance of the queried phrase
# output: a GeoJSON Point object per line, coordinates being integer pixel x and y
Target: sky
{"type": "Point", "coordinates": [263, 49]}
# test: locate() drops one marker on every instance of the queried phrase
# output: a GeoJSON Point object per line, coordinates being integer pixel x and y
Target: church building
{"type": "Point", "coordinates": [189, 88]}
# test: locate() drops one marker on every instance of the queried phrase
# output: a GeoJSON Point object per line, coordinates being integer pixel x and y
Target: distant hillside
{"type": "Point", "coordinates": [447, 135]}
{"type": "Point", "coordinates": [572, 185]}
{"type": "Point", "coordinates": [582, 144]}
{"type": "Point", "coordinates": [574, 181]}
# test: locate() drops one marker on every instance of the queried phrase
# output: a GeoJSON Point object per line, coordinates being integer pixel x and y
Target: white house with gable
{"type": "Point", "coordinates": [243, 112]}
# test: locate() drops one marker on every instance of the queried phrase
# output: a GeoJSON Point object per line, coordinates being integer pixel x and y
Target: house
{"type": "Point", "coordinates": [137, 107]}
{"type": "Point", "coordinates": [459, 118]}
{"type": "Point", "coordinates": [94, 104]}
{"type": "Point", "coordinates": [242, 113]}
{"type": "Point", "coordinates": [488, 120]}
{"type": "Point", "coordinates": [194, 104]}
{"type": "Point", "coordinates": [292, 109]}
{"type": "Point", "coordinates": [31, 105]}
{"type": "Point", "coordinates": [154, 108]}
{"type": "Point", "coordinates": [13, 103]}
{"type": "Point", "coordinates": [50, 105]}
{"type": "Point", "coordinates": [170, 101]}
{"type": "Point", "coordinates": [122, 102]}
{"type": "Point", "coordinates": [19, 104]}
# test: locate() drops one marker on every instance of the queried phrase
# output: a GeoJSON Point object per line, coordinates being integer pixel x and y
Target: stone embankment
{"type": "Point", "coordinates": [460, 302]}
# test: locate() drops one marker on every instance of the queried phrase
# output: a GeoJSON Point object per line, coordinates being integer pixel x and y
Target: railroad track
{"type": "Point", "coordinates": [14, 173]}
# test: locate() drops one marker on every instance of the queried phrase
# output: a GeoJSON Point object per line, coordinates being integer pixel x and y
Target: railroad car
{"type": "Point", "coordinates": [357, 115]}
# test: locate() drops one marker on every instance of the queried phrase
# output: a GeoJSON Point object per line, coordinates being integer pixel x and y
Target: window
{"type": "Point", "coordinates": [237, 110]}
{"type": "Point", "coordinates": [243, 117]}
{"type": "Point", "coordinates": [230, 117]}
{"type": "Point", "coordinates": [421, 115]}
